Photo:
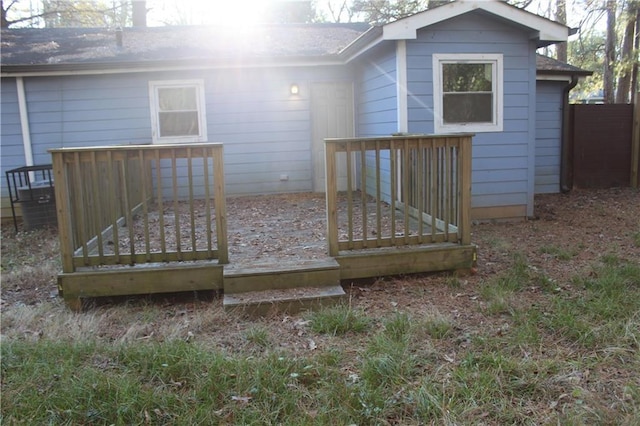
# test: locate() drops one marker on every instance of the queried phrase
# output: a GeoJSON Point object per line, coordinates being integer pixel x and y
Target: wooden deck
{"type": "Point", "coordinates": [154, 219]}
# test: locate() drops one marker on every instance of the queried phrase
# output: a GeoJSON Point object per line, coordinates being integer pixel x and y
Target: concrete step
{"type": "Point", "coordinates": [256, 277]}
{"type": "Point", "coordinates": [290, 300]}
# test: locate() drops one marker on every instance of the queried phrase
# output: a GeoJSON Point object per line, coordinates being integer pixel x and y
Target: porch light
{"type": "Point", "coordinates": [295, 89]}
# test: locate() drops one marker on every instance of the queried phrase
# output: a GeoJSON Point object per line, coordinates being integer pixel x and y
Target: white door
{"type": "Point", "coordinates": [331, 117]}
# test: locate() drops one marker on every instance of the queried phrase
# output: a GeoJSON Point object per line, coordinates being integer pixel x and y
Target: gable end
{"type": "Point", "coordinates": [541, 29]}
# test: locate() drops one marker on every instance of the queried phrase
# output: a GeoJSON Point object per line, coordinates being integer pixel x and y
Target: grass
{"type": "Point", "coordinates": [365, 370]}
{"type": "Point", "coordinates": [339, 320]}
{"type": "Point", "coordinates": [399, 369]}
{"type": "Point", "coordinates": [560, 253]}
{"type": "Point", "coordinates": [500, 292]}
{"type": "Point", "coordinates": [519, 346]}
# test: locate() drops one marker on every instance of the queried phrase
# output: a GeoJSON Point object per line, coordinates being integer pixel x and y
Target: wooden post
{"type": "Point", "coordinates": [192, 223]}
{"type": "Point", "coordinates": [350, 194]}
{"type": "Point", "coordinates": [393, 163]}
{"type": "Point", "coordinates": [635, 144]}
{"type": "Point", "coordinates": [207, 197]}
{"type": "Point", "coordinates": [128, 213]}
{"type": "Point", "coordinates": [331, 191]}
{"type": "Point", "coordinates": [97, 211]}
{"type": "Point", "coordinates": [63, 210]}
{"type": "Point", "coordinates": [160, 203]}
{"type": "Point", "coordinates": [176, 204]}
{"type": "Point", "coordinates": [220, 204]}
{"type": "Point", "coordinates": [114, 210]}
{"type": "Point", "coordinates": [378, 194]}
{"type": "Point", "coordinates": [433, 188]}
{"type": "Point", "coordinates": [363, 179]}
{"type": "Point", "coordinates": [79, 219]}
{"type": "Point", "coordinates": [465, 190]}
{"type": "Point", "coordinates": [406, 187]}
{"type": "Point", "coordinates": [145, 201]}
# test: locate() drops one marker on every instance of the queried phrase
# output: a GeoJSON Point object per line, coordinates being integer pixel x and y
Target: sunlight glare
{"type": "Point", "coordinates": [237, 13]}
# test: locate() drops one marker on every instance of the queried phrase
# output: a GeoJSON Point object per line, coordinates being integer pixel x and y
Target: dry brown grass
{"type": "Point", "coordinates": [527, 339]}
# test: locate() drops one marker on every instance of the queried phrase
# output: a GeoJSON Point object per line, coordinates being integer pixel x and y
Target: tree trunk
{"type": "Point", "coordinates": [626, 56]}
{"type": "Point", "coordinates": [139, 13]}
{"type": "Point", "coordinates": [561, 16]}
{"type": "Point", "coordinates": [4, 23]}
{"type": "Point", "coordinates": [610, 52]}
{"type": "Point", "coordinates": [636, 47]}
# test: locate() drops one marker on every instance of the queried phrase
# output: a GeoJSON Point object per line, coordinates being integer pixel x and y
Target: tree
{"type": "Point", "coordinates": [383, 11]}
{"type": "Point", "coordinates": [587, 52]}
{"type": "Point", "coordinates": [66, 13]}
{"type": "Point", "coordinates": [290, 12]}
{"type": "Point", "coordinates": [139, 13]}
{"type": "Point", "coordinates": [610, 52]}
{"type": "Point", "coordinates": [635, 86]}
{"type": "Point", "coordinates": [628, 58]}
{"type": "Point", "coordinates": [341, 11]}
{"type": "Point", "coordinates": [561, 16]}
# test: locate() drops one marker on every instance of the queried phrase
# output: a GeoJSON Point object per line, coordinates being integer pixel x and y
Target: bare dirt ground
{"type": "Point", "coordinates": [569, 237]}
{"type": "Point", "coordinates": [568, 234]}
{"type": "Point", "coordinates": [262, 230]}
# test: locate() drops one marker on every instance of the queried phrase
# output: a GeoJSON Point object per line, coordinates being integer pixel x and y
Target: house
{"type": "Point", "coordinates": [272, 93]}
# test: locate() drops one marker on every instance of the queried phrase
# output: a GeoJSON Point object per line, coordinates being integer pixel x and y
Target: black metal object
{"type": "Point", "coordinates": [32, 187]}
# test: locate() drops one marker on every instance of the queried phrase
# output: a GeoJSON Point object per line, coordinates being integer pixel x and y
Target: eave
{"type": "Point", "coordinates": [99, 68]}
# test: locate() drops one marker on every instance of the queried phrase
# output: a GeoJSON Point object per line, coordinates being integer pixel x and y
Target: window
{"type": "Point", "coordinates": [467, 93]}
{"type": "Point", "coordinates": [178, 111]}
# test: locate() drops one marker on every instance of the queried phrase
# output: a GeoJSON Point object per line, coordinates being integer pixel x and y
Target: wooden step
{"type": "Point", "coordinates": [317, 273]}
{"type": "Point", "coordinates": [291, 300]}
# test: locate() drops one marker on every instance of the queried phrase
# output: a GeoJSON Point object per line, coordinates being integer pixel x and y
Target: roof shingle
{"type": "Point", "coordinates": [93, 45]}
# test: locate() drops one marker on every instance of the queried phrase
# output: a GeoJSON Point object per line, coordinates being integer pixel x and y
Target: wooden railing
{"type": "Point", "coordinates": [398, 191]}
{"type": "Point", "coordinates": [126, 205]}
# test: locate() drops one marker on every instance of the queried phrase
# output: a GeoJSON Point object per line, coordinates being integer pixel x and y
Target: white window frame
{"type": "Point", "coordinates": [439, 59]}
{"type": "Point", "coordinates": [154, 87]}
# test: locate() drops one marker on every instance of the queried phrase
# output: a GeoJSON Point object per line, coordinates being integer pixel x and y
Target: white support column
{"type": "Point", "coordinates": [401, 86]}
{"type": "Point", "coordinates": [24, 122]}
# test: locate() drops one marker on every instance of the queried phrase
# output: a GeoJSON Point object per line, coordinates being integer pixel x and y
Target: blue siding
{"type": "Point", "coordinates": [79, 111]}
{"type": "Point", "coordinates": [508, 154]}
{"type": "Point", "coordinates": [266, 130]}
{"type": "Point", "coordinates": [377, 100]}
{"type": "Point", "coordinates": [376, 93]}
{"type": "Point", "coordinates": [548, 135]}
{"type": "Point", "coordinates": [11, 136]}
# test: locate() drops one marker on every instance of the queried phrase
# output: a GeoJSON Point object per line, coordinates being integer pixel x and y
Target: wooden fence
{"type": "Point", "coordinates": [126, 205]}
{"type": "Point", "coordinates": [603, 153]}
{"type": "Point", "coordinates": [401, 191]}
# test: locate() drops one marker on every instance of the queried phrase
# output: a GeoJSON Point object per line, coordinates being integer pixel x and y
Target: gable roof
{"type": "Point", "coordinates": [98, 48]}
{"type": "Point", "coordinates": [32, 51]}
{"type": "Point", "coordinates": [541, 29]}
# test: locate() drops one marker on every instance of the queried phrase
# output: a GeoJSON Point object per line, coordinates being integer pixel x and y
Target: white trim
{"type": "Point", "coordinates": [367, 41]}
{"type": "Point", "coordinates": [541, 28]}
{"type": "Point", "coordinates": [498, 79]}
{"type": "Point", "coordinates": [531, 161]}
{"type": "Point", "coordinates": [545, 77]}
{"type": "Point", "coordinates": [401, 87]}
{"type": "Point", "coordinates": [140, 69]}
{"type": "Point", "coordinates": [201, 105]}
{"type": "Point", "coordinates": [24, 122]}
